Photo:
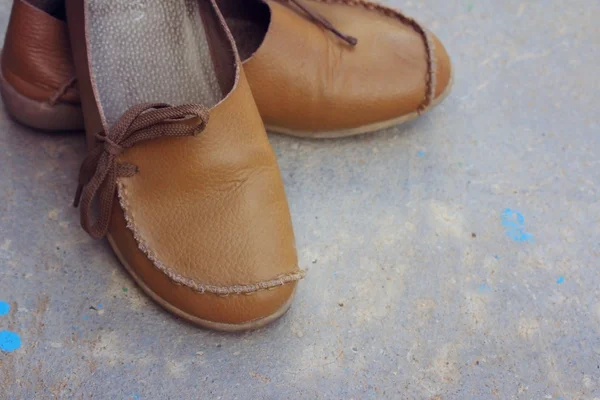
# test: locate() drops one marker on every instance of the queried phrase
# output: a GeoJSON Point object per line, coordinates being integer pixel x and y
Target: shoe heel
{"type": "Point", "coordinates": [38, 114]}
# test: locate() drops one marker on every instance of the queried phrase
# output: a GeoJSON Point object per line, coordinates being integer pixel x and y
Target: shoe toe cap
{"type": "Point", "coordinates": [233, 312]}
{"type": "Point", "coordinates": [247, 302]}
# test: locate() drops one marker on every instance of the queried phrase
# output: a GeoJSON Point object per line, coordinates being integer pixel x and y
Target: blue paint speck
{"type": "Point", "coordinates": [496, 257]}
{"type": "Point", "coordinates": [4, 308]}
{"type": "Point", "coordinates": [9, 341]}
{"type": "Point", "coordinates": [136, 396]}
{"type": "Point", "coordinates": [85, 317]}
{"type": "Point", "coordinates": [99, 306]}
{"type": "Point", "coordinates": [421, 153]}
{"type": "Point", "coordinates": [560, 280]}
{"type": "Point", "coordinates": [514, 226]}
{"type": "Point", "coordinates": [484, 287]}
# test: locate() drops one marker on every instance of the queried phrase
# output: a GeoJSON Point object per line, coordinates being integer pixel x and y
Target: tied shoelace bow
{"type": "Point", "coordinates": [100, 169]}
{"type": "Point", "coordinates": [322, 21]}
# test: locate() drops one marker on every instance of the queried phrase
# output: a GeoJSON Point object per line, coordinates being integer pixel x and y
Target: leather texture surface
{"type": "Point", "coordinates": [36, 58]}
{"type": "Point", "coordinates": [305, 78]}
{"type": "Point", "coordinates": [202, 210]}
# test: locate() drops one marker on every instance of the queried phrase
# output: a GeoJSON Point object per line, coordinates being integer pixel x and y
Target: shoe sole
{"type": "Point", "coordinates": [39, 114]}
{"type": "Point", "coordinates": [365, 128]}
{"type": "Point", "coordinates": [217, 326]}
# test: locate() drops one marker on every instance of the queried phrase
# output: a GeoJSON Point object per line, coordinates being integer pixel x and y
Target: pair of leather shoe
{"type": "Point", "coordinates": [174, 96]}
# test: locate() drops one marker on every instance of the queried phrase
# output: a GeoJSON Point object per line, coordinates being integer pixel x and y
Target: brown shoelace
{"type": "Point", "coordinates": [100, 170]}
{"type": "Point", "coordinates": [62, 90]}
{"type": "Point", "coordinates": [322, 21]}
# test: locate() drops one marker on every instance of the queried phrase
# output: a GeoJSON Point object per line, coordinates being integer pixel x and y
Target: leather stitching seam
{"type": "Point", "coordinates": [430, 79]}
{"type": "Point", "coordinates": [246, 289]}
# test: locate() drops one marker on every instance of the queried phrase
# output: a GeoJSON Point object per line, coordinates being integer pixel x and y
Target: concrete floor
{"type": "Point", "coordinates": [455, 257]}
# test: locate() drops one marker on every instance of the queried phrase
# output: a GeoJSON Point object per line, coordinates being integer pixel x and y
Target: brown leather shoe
{"type": "Point", "coordinates": [190, 196]}
{"type": "Point", "coordinates": [36, 70]}
{"type": "Point", "coordinates": [297, 56]}
{"type": "Point", "coordinates": [331, 68]}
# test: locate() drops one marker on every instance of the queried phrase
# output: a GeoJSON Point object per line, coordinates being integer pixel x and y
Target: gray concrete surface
{"type": "Point", "coordinates": [455, 257]}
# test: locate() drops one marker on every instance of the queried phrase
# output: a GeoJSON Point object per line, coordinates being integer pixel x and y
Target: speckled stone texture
{"type": "Point", "coordinates": [455, 257]}
{"type": "Point", "coordinates": [150, 51]}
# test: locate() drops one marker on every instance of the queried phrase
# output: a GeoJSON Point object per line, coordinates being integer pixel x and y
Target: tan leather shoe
{"type": "Point", "coordinates": [306, 75]}
{"type": "Point", "coordinates": [36, 71]}
{"type": "Point", "coordinates": [331, 68]}
{"type": "Point", "coordinates": [190, 196]}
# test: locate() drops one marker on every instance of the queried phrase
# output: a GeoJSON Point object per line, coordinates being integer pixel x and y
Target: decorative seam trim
{"type": "Point", "coordinates": [430, 79]}
{"type": "Point", "coordinates": [246, 289]}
